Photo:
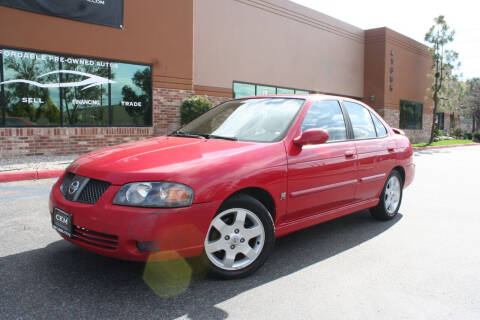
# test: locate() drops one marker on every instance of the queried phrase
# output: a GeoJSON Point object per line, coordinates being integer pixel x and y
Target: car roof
{"type": "Point", "coordinates": [315, 97]}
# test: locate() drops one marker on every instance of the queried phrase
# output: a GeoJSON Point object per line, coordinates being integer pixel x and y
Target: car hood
{"type": "Point", "coordinates": [176, 159]}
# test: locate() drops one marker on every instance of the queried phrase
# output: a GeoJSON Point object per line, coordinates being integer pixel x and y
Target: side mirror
{"type": "Point", "coordinates": [311, 136]}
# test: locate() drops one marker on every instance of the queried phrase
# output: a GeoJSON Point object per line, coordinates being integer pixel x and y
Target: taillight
{"type": "Point", "coordinates": [398, 131]}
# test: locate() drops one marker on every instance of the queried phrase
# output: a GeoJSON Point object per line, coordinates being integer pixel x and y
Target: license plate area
{"type": "Point", "coordinates": [62, 222]}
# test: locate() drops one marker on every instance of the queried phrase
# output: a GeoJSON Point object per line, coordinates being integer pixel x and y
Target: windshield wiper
{"type": "Point", "coordinates": [188, 135]}
{"type": "Point", "coordinates": [201, 135]}
{"type": "Point", "coordinates": [212, 136]}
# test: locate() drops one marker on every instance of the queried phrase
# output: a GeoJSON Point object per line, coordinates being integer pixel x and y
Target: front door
{"type": "Point", "coordinates": [322, 177]}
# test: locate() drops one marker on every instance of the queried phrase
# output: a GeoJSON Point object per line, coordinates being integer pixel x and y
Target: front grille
{"type": "Point", "coordinates": [93, 191]}
{"type": "Point", "coordinates": [87, 190]}
{"type": "Point", "coordinates": [94, 238]}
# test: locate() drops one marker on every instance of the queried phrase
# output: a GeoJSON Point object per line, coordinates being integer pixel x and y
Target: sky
{"type": "Point", "coordinates": [413, 19]}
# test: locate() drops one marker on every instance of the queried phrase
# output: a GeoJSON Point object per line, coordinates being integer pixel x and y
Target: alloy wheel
{"type": "Point", "coordinates": [234, 239]}
{"type": "Point", "coordinates": [392, 195]}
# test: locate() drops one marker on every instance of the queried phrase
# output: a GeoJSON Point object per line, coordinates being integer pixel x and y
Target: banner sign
{"type": "Point", "coordinates": [104, 12]}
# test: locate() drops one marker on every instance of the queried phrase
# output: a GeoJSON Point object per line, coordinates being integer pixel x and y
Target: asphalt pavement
{"type": "Point", "coordinates": [424, 264]}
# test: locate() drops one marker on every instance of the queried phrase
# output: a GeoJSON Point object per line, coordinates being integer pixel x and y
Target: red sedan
{"type": "Point", "coordinates": [230, 182]}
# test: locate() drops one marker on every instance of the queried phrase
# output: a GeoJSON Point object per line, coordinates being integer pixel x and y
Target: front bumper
{"type": "Point", "coordinates": [132, 233]}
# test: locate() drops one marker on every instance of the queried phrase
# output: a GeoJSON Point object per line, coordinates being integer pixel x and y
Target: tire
{"type": "Point", "coordinates": [249, 241]}
{"type": "Point", "coordinates": [393, 189]}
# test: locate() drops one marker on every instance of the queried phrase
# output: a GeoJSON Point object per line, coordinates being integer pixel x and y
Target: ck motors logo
{"type": "Point", "coordinates": [91, 81]}
{"type": "Point", "coordinates": [61, 219]}
{"type": "Point", "coordinates": [101, 2]}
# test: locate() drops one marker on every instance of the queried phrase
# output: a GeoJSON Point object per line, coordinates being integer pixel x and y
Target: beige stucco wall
{"type": "Point", "coordinates": [276, 42]}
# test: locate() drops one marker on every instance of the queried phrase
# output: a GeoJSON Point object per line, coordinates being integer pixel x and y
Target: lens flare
{"type": "Point", "coordinates": [167, 278]}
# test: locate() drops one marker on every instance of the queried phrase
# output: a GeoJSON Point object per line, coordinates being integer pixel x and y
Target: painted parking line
{"type": "Point", "coordinates": [27, 192]}
{"type": "Point", "coordinates": [23, 196]}
{"type": "Point", "coordinates": [21, 188]}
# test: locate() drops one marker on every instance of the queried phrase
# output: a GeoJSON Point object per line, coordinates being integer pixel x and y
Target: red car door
{"type": "Point", "coordinates": [322, 177]}
{"type": "Point", "coordinates": [374, 150]}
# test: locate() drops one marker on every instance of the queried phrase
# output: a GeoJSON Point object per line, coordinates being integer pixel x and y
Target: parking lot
{"type": "Point", "coordinates": [425, 264]}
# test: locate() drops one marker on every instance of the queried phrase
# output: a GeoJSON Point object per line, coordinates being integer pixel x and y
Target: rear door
{"type": "Point", "coordinates": [375, 154]}
{"type": "Point", "coordinates": [322, 177]}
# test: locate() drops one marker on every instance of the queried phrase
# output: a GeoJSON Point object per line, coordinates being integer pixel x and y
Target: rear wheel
{"type": "Point", "coordinates": [239, 239]}
{"type": "Point", "coordinates": [390, 199]}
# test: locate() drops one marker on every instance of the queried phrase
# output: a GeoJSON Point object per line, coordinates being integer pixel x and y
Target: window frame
{"type": "Point", "coordinates": [3, 103]}
{"type": "Point", "coordinates": [440, 119]}
{"type": "Point", "coordinates": [452, 121]}
{"type": "Point", "coordinates": [3, 106]}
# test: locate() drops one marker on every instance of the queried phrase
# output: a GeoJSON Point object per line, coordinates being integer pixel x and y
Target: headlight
{"type": "Point", "coordinates": [154, 194]}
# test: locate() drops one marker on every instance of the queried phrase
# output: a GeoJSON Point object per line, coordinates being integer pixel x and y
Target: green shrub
{"type": "Point", "coordinates": [457, 133]}
{"type": "Point", "coordinates": [467, 136]}
{"type": "Point", "coordinates": [193, 107]}
{"type": "Point", "coordinates": [437, 133]}
{"type": "Point", "coordinates": [476, 136]}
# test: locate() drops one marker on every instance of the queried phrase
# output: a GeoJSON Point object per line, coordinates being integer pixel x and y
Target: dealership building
{"type": "Point", "coordinates": [95, 75]}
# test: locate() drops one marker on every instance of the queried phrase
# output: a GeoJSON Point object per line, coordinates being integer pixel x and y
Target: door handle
{"type": "Point", "coordinates": [391, 148]}
{"type": "Point", "coordinates": [349, 153]}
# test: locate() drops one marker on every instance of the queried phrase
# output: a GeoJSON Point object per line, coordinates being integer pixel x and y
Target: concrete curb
{"type": "Point", "coordinates": [444, 147]}
{"type": "Point", "coordinates": [29, 175]}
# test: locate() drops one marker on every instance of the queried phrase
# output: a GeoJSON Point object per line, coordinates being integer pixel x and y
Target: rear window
{"type": "Point", "coordinates": [381, 130]}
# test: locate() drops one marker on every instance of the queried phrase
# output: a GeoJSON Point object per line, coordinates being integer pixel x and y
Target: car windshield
{"type": "Point", "coordinates": [258, 120]}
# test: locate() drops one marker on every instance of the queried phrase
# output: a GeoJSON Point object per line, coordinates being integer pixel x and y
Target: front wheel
{"type": "Point", "coordinates": [390, 199]}
{"type": "Point", "coordinates": [239, 239]}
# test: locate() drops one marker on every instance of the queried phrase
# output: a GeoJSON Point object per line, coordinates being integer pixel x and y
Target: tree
{"type": "Point", "coordinates": [443, 59]}
{"type": "Point", "coordinates": [143, 82]}
{"type": "Point", "coordinates": [193, 107]}
{"type": "Point", "coordinates": [72, 112]}
{"type": "Point", "coordinates": [30, 70]}
{"type": "Point", "coordinates": [452, 95]}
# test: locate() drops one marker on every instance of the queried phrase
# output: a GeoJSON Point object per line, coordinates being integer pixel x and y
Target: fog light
{"type": "Point", "coordinates": [147, 247]}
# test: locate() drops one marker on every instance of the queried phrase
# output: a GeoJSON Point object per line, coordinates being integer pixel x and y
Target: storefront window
{"type": "Point", "coordinates": [26, 101]}
{"type": "Point", "coordinates": [38, 89]}
{"type": "Point", "coordinates": [84, 106]}
{"type": "Point", "coordinates": [301, 92]}
{"type": "Point", "coordinates": [285, 91]}
{"type": "Point", "coordinates": [265, 90]}
{"type": "Point", "coordinates": [411, 115]}
{"type": "Point", "coordinates": [241, 89]}
{"type": "Point", "coordinates": [131, 103]}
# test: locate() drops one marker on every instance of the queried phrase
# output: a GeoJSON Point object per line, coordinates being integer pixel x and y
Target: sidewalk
{"type": "Point", "coordinates": [33, 168]}
{"type": "Point", "coordinates": [446, 146]}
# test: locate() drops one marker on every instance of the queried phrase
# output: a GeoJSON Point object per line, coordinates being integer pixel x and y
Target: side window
{"type": "Point", "coordinates": [362, 123]}
{"type": "Point", "coordinates": [326, 115]}
{"type": "Point", "coordinates": [381, 131]}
